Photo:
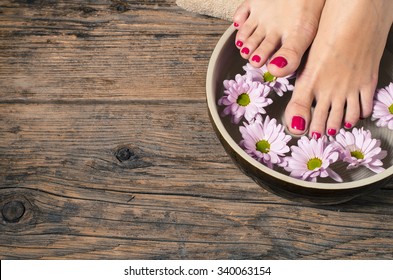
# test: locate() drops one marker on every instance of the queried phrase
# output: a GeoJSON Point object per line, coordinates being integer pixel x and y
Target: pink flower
{"type": "Point", "coordinates": [358, 148]}
{"type": "Point", "coordinates": [383, 107]}
{"type": "Point", "coordinates": [242, 97]}
{"type": "Point", "coordinates": [262, 75]}
{"type": "Point", "coordinates": [311, 158]}
{"type": "Point", "coordinates": [265, 141]}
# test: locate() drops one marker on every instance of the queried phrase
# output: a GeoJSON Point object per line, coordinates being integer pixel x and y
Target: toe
{"type": "Point", "coordinates": [241, 14]}
{"type": "Point", "coordinates": [335, 119]}
{"type": "Point", "coordinates": [244, 33]}
{"type": "Point", "coordinates": [287, 59]}
{"type": "Point", "coordinates": [319, 117]}
{"type": "Point", "coordinates": [297, 113]}
{"type": "Point", "coordinates": [352, 113]}
{"type": "Point", "coordinates": [265, 49]}
{"type": "Point", "coordinates": [366, 102]}
{"type": "Point", "coordinates": [252, 43]}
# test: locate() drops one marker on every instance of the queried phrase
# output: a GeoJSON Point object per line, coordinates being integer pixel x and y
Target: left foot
{"type": "Point", "coordinates": [341, 71]}
{"type": "Point", "coordinates": [281, 29]}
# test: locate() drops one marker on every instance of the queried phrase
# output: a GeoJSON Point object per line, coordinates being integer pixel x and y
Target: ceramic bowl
{"type": "Point", "coordinates": [225, 63]}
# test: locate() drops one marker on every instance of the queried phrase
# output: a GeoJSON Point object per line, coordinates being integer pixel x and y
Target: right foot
{"type": "Point", "coordinates": [281, 30]}
{"type": "Point", "coordinates": [341, 70]}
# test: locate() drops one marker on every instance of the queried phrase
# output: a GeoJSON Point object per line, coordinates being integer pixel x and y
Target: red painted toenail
{"type": "Point", "coordinates": [245, 50]}
{"type": "Point", "coordinates": [235, 24]}
{"type": "Point", "coordinates": [279, 61]}
{"type": "Point", "coordinates": [348, 125]}
{"type": "Point", "coordinates": [332, 131]}
{"type": "Point", "coordinates": [316, 135]}
{"type": "Point", "coordinates": [256, 58]}
{"type": "Point", "coordinates": [239, 43]}
{"type": "Point", "coordinates": [298, 123]}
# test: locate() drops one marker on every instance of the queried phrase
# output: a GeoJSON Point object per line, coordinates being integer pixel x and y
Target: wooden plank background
{"type": "Point", "coordinates": [107, 152]}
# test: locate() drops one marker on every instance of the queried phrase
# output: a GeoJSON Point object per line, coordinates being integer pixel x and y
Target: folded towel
{"type": "Point", "coordinates": [223, 9]}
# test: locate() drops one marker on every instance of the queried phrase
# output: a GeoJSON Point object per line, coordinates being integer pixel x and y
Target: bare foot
{"type": "Point", "coordinates": [341, 71]}
{"type": "Point", "coordinates": [265, 26]}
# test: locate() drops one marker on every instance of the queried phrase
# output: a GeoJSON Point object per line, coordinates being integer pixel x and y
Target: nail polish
{"type": "Point", "coordinates": [256, 58]}
{"type": "Point", "coordinates": [245, 50]}
{"type": "Point", "coordinates": [332, 131]}
{"type": "Point", "coordinates": [316, 135]}
{"type": "Point", "coordinates": [348, 125]}
{"type": "Point", "coordinates": [298, 123]}
{"type": "Point", "coordinates": [239, 43]}
{"type": "Point", "coordinates": [279, 61]}
{"type": "Point", "coordinates": [235, 24]}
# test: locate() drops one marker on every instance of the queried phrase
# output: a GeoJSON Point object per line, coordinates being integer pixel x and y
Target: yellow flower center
{"type": "Point", "coordinates": [243, 99]}
{"type": "Point", "coordinates": [263, 146]}
{"type": "Point", "coordinates": [267, 77]}
{"type": "Point", "coordinates": [314, 163]}
{"type": "Point", "coordinates": [391, 109]}
{"type": "Point", "coordinates": [357, 154]}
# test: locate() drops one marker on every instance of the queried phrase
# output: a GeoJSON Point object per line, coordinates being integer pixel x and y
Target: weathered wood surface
{"type": "Point", "coordinates": [106, 149]}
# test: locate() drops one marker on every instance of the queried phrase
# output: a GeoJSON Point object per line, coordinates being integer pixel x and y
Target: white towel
{"type": "Point", "coordinates": [223, 9]}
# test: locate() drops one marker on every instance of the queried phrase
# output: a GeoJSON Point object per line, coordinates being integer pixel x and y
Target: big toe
{"type": "Point", "coordinates": [298, 112]}
{"type": "Point", "coordinates": [287, 59]}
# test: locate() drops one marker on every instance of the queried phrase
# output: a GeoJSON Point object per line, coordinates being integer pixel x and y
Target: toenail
{"type": "Point", "coordinates": [298, 123]}
{"type": "Point", "coordinates": [239, 43]}
{"type": "Point", "coordinates": [279, 61]}
{"type": "Point", "coordinates": [245, 50]}
{"type": "Point", "coordinates": [256, 58]}
{"type": "Point", "coordinates": [235, 24]}
{"type": "Point", "coordinates": [332, 131]}
{"type": "Point", "coordinates": [316, 135]}
{"type": "Point", "coordinates": [348, 125]}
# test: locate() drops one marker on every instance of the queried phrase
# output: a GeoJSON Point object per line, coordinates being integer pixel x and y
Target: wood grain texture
{"type": "Point", "coordinates": [106, 142]}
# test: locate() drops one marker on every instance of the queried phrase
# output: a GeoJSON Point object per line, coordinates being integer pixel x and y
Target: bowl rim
{"type": "Point", "coordinates": [212, 107]}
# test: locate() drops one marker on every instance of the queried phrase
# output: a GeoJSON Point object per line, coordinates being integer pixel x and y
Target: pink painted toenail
{"type": "Point", "coordinates": [245, 50]}
{"type": "Point", "coordinates": [316, 135]}
{"type": "Point", "coordinates": [279, 61]}
{"type": "Point", "coordinates": [256, 58]}
{"type": "Point", "coordinates": [298, 123]}
{"type": "Point", "coordinates": [348, 125]}
{"type": "Point", "coordinates": [239, 43]}
{"type": "Point", "coordinates": [235, 24]}
{"type": "Point", "coordinates": [332, 131]}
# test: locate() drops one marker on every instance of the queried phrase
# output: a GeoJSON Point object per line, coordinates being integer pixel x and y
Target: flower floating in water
{"type": "Point", "coordinates": [383, 107]}
{"type": "Point", "coordinates": [359, 148]}
{"type": "Point", "coordinates": [311, 158]}
{"type": "Point", "coordinates": [244, 97]}
{"type": "Point", "coordinates": [265, 141]}
{"type": "Point", "coordinates": [262, 75]}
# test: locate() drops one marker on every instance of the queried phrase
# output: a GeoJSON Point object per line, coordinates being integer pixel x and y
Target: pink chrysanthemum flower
{"type": "Point", "coordinates": [311, 158]}
{"type": "Point", "coordinates": [244, 97]}
{"type": "Point", "coordinates": [265, 141]}
{"type": "Point", "coordinates": [262, 75]}
{"type": "Point", "coordinates": [359, 148]}
{"type": "Point", "coordinates": [383, 107]}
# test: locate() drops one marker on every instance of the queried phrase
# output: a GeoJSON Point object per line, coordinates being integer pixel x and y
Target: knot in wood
{"type": "Point", "coordinates": [13, 211]}
{"type": "Point", "coordinates": [120, 6]}
{"type": "Point", "coordinates": [124, 154]}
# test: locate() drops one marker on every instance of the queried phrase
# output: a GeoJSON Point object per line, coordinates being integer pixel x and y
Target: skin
{"type": "Point", "coordinates": [279, 28]}
{"type": "Point", "coordinates": [346, 40]}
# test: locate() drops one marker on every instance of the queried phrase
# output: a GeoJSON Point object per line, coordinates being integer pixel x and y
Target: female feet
{"type": "Point", "coordinates": [280, 29]}
{"type": "Point", "coordinates": [341, 70]}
